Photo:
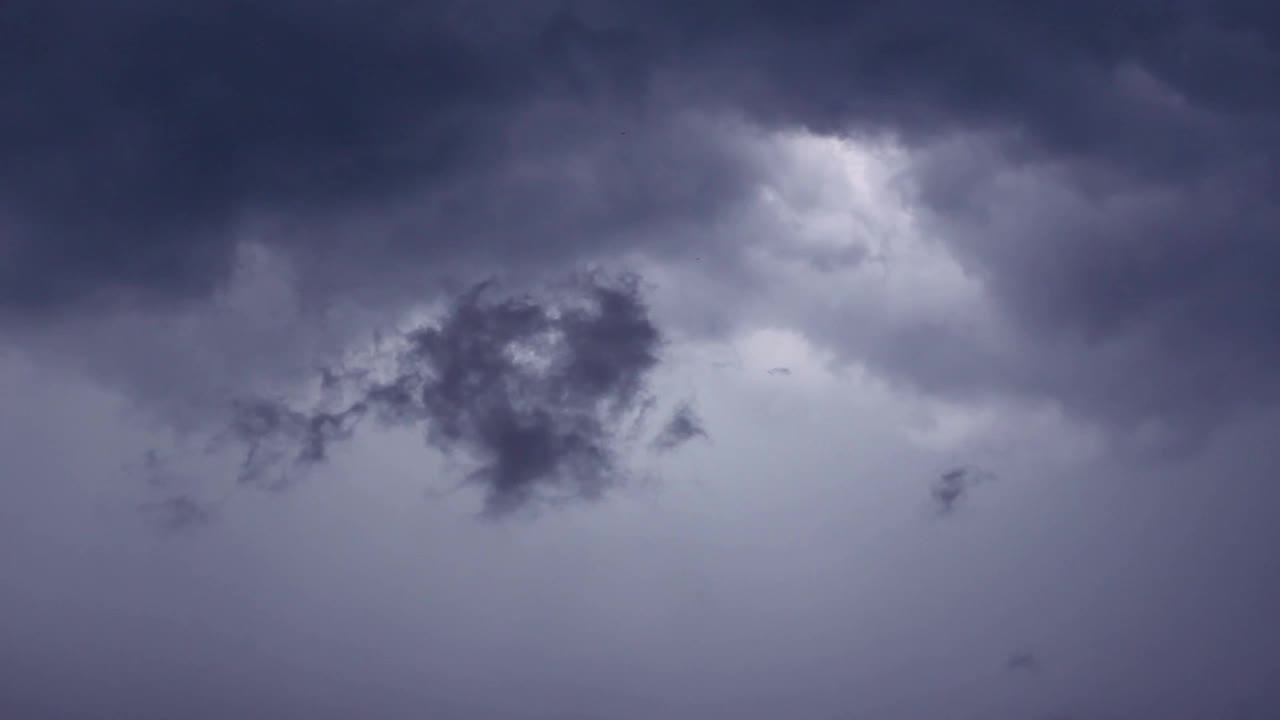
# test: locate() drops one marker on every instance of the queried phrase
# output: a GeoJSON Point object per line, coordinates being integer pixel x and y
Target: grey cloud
{"type": "Point", "coordinates": [953, 485]}
{"type": "Point", "coordinates": [140, 138]}
{"type": "Point", "coordinates": [273, 432]}
{"type": "Point", "coordinates": [175, 508]}
{"type": "Point", "coordinates": [400, 141]}
{"type": "Point", "coordinates": [138, 135]}
{"type": "Point", "coordinates": [535, 392]}
{"type": "Point", "coordinates": [683, 426]}
{"type": "Point", "coordinates": [536, 424]}
{"type": "Point", "coordinates": [1104, 172]}
{"type": "Point", "coordinates": [1023, 661]}
{"type": "Point", "coordinates": [1138, 306]}
{"type": "Point", "coordinates": [179, 513]}
{"type": "Point", "coordinates": [1133, 300]}
{"type": "Point", "coordinates": [948, 489]}
{"type": "Point", "coordinates": [371, 601]}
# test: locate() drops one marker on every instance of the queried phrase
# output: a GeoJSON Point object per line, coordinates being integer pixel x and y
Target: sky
{"type": "Point", "coordinates": [600, 360]}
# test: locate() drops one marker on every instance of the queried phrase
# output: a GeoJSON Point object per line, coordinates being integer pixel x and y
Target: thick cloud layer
{"type": "Point", "coordinates": [140, 138]}
{"type": "Point", "coordinates": [139, 134]}
{"type": "Point", "coordinates": [1103, 169]}
{"type": "Point", "coordinates": [136, 134]}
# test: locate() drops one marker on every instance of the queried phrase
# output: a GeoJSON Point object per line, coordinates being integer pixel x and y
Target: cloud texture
{"type": "Point", "coordinates": [1103, 170]}
{"type": "Point", "coordinates": [1007, 234]}
{"type": "Point", "coordinates": [536, 395]}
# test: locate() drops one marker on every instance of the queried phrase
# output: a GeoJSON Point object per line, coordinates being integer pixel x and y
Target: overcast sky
{"type": "Point", "coordinates": [605, 360]}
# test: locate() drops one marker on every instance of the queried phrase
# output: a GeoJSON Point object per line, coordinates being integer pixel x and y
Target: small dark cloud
{"type": "Point", "coordinates": [153, 469]}
{"type": "Point", "coordinates": [684, 425]}
{"type": "Point", "coordinates": [954, 484]}
{"type": "Point", "coordinates": [534, 392]}
{"type": "Point", "coordinates": [1024, 661]}
{"type": "Point", "coordinates": [176, 507]}
{"type": "Point", "coordinates": [180, 513]}
{"type": "Point", "coordinates": [780, 371]}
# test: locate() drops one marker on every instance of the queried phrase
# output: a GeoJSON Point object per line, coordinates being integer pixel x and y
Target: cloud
{"type": "Point", "coordinates": [179, 513]}
{"type": "Point", "coordinates": [1128, 300]}
{"type": "Point", "coordinates": [534, 392]}
{"type": "Point", "coordinates": [683, 426]}
{"type": "Point", "coordinates": [1100, 179]}
{"type": "Point", "coordinates": [1023, 661]}
{"type": "Point", "coordinates": [152, 130]}
{"type": "Point", "coordinates": [1102, 172]}
{"type": "Point", "coordinates": [953, 485]}
{"type": "Point", "coordinates": [136, 146]}
{"type": "Point", "coordinates": [273, 432]}
{"type": "Point", "coordinates": [1133, 304]}
{"type": "Point", "coordinates": [142, 140]}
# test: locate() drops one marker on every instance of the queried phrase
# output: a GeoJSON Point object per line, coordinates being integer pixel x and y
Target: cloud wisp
{"type": "Point", "coordinates": [684, 426]}
{"type": "Point", "coordinates": [953, 485]}
{"type": "Point", "coordinates": [534, 393]}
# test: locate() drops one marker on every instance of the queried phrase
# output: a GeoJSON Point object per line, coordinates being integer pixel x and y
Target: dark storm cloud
{"type": "Point", "coordinates": [137, 137]}
{"type": "Point", "coordinates": [683, 426]}
{"type": "Point", "coordinates": [534, 392]}
{"type": "Point", "coordinates": [135, 133]}
{"type": "Point", "coordinates": [389, 139]}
